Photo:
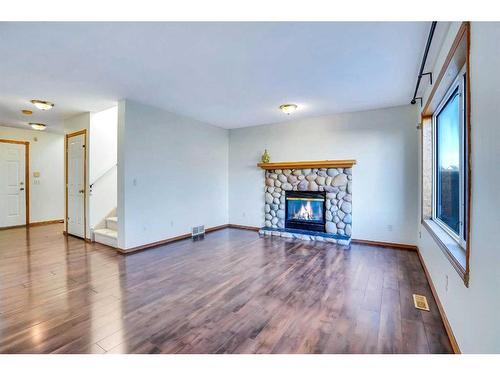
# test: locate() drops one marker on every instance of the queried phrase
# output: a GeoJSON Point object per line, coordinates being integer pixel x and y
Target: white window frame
{"type": "Point", "coordinates": [458, 84]}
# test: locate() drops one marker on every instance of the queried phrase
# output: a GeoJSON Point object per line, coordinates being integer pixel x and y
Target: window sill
{"type": "Point", "coordinates": [455, 254]}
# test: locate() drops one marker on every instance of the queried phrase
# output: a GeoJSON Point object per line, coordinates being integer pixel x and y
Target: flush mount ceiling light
{"type": "Point", "coordinates": [288, 108]}
{"type": "Point", "coordinates": [37, 126]}
{"type": "Point", "coordinates": [26, 112]}
{"type": "Point", "coordinates": [42, 104]}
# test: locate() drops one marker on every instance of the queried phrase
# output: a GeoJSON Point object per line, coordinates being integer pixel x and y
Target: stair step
{"type": "Point", "coordinates": [106, 236]}
{"type": "Point", "coordinates": [112, 223]}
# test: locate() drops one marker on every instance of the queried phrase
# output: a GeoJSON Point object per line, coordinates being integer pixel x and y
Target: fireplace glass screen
{"type": "Point", "coordinates": [305, 210]}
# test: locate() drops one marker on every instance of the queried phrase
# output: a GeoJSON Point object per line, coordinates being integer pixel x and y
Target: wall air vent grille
{"type": "Point", "coordinates": [198, 231]}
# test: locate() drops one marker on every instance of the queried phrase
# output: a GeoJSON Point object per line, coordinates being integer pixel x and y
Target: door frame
{"type": "Point", "coordinates": [26, 177]}
{"type": "Point", "coordinates": [66, 138]}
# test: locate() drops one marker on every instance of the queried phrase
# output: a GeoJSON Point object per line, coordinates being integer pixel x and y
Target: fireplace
{"type": "Point", "coordinates": [305, 210]}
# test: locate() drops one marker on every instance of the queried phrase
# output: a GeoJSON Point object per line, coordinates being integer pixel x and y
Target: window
{"type": "Point", "coordinates": [445, 156]}
{"type": "Point", "coordinates": [449, 161]}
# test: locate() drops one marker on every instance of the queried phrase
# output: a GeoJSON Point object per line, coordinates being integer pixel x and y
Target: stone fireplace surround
{"type": "Point", "coordinates": [336, 182]}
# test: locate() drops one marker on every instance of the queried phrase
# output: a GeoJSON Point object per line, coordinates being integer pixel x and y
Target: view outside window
{"type": "Point", "coordinates": [448, 164]}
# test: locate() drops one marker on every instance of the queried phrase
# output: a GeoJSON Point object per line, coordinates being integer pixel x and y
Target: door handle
{"type": "Point", "coordinates": [81, 191]}
{"type": "Point", "coordinates": [21, 189]}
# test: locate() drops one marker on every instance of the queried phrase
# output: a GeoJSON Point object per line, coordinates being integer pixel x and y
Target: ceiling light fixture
{"type": "Point", "coordinates": [288, 108]}
{"type": "Point", "coordinates": [42, 104]}
{"type": "Point", "coordinates": [27, 112]}
{"type": "Point", "coordinates": [38, 126]}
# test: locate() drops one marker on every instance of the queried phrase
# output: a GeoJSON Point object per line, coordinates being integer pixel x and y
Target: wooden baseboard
{"type": "Point", "coordinates": [35, 224]}
{"type": "Point", "coordinates": [393, 245]}
{"type": "Point", "coordinates": [447, 326]}
{"type": "Point", "coordinates": [168, 240]}
{"type": "Point", "coordinates": [48, 222]}
{"type": "Point", "coordinates": [245, 227]}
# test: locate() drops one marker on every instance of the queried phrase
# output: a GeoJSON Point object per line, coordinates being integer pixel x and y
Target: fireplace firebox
{"type": "Point", "coordinates": [305, 210]}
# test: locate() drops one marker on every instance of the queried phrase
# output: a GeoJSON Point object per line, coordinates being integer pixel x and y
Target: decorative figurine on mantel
{"type": "Point", "coordinates": [265, 157]}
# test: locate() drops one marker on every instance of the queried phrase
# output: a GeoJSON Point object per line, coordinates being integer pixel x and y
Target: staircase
{"type": "Point", "coordinates": [109, 235]}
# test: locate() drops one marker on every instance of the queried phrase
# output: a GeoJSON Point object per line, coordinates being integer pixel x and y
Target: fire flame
{"type": "Point", "coordinates": [305, 212]}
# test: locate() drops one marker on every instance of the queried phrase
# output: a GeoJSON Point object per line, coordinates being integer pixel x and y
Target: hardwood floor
{"type": "Point", "coordinates": [232, 292]}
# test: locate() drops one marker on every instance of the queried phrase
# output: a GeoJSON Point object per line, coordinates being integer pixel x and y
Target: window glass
{"type": "Point", "coordinates": [448, 164]}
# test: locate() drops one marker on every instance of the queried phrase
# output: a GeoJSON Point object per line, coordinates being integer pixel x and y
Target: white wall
{"type": "Point", "coordinates": [46, 157]}
{"type": "Point", "coordinates": [173, 174]}
{"type": "Point", "coordinates": [474, 312]}
{"type": "Point", "coordinates": [103, 157]}
{"type": "Point", "coordinates": [384, 143]}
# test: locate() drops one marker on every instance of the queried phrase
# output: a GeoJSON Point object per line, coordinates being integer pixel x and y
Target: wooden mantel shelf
{"type": "Point", "coordinates": [308, 164]}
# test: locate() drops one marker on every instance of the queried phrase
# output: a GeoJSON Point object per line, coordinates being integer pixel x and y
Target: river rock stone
{"type": "Point", "coordinates": [330, 227]}
{"type": "Point", "coordinates": [274, 207]}
{"type": "Point", "coordinates": [278, 171]}
{"type": "Point", "coordinates": [292, 179]}
{"type": "Point", "coordinates": [341, 194]}
{"type": "Point", "coordinates": [282, 178]}
{"type": "Point", "coordinates": [349, 187]}
{"type": "Point", "coordinates": [269, 216]}
{"type": "Point", "coordinates": [277, 190]}
{"type": "Point", "coordinates": [277, 183]}
{"type": "Point", "coordinates": [276, 200]}
{"type": "Point", "coordinates": [267, 223]}
{"type": "Point", "coordinates": [274, 176]}
{"type": "Point", "coordinates": [301, 177]}
{"type": "Point", "coordinates": [348, 230]}
{"type": "Point", "coordinates": [297, 172]}
{"type": "Point", "coordinates": [281, 214]}
{"type": "Point", "coordinates": [320, 180]}
{"type": "Point", "coordinates": [287, 172]}
{"type": "Point", "coordinates": [328, 216]}
{"type": "Point", "coordinates": [269, 198]}
{"type": "Point", "coordinates": [339, 180]}
{"type": "Point", "coordinates": [340, 214]}
{"type": "Point", "coordinates": [347, 219]}
{"type": "Point", "coordinates": [274, 221]}
{"type": "Point", "coordinates": [328, 204]}
{"type": "Point", "coordinates": [348, 171]}
{"type": "Point", "coordinates": [302, 185]}
{"type": "Point", "coordinates": [281, 224]}
{"type": "Point", "coordinates": [273, 214]}
{"type": "Point", "coordinates": [276, 195]}
{"type": "Point", "coordinates": [306, 171]}
{"type": "Point", "coordinates": [346, 207]}
{"type": "Point", "coordinates": [286, 186]}
{"type": "Point", "coordinates": [269, 182]}
{"type": "Point", "coordinates": [332, 172]}
{"type": "Point", "coordinates": [270, 189]}
{"type": "Point", "coordinates": [267, 208]}
{"type": "Point", "coordinates": [313, 186]}
{"type": "Point", "coordinates": [331, 195]}
{"type": "Point", "coordinates": [348, 198]}
{"type": "Point", "coordinates": [340, 225]}
{"type": "Point", "coordinates": [311, 177]}
{"type": "Point", "coordinates": [336, 219]}
{"type": "Point", "coordinates": [341, 231]}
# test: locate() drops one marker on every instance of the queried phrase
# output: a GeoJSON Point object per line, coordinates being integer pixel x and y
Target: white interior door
{"type": "Point", "coordinates": [76, 185]}
{"type": "Point", "coordinates": [13, 184]}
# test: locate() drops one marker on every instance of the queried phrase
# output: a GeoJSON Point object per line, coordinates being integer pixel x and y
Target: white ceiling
{"type": "Point", "coordinates": [227, 74]}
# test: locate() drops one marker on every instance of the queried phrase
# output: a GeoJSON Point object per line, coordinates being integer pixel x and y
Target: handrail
{"type": "Point", "coordinates": [103, 174]}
